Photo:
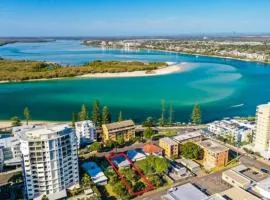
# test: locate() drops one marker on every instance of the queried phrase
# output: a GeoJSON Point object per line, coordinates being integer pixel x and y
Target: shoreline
{"type": "Point", "coordinates": [7, 123]}
{"type": "Point", "coordinates": [157, 72]}
{"type": "Point", "coordinates": [170, 69]}
{"type": "Point", "coordinates": [212, 56]}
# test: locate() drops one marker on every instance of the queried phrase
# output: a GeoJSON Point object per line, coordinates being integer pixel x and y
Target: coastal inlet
{"type": "Point", "coordinates": [216, 84]}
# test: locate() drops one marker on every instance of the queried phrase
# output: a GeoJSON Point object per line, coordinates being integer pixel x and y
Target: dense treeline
{"type": "Point", "coordinates": [12, 70]}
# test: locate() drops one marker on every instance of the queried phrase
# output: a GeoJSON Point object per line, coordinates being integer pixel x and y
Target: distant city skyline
{"type": "Point", "coordinates": [132, 18]}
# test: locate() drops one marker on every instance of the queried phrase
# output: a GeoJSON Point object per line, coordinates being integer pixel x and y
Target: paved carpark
{"type": "Point", "coordinates": [249, 162]}
{"type": "Point", "coordinates": [212, 183]}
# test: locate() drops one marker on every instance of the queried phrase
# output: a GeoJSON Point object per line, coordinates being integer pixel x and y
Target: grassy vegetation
{"type": "Point", "coordinates": [20, 70]}
{"type": "Point", "coordinates": [164, 133]}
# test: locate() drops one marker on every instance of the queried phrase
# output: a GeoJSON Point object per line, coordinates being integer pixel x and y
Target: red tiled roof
{"type": "Point", "coordinates": [151, 148]}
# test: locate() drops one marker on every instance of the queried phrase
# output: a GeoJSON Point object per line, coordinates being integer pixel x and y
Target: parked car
{"type": "Point", "coordinates": [265, 170]}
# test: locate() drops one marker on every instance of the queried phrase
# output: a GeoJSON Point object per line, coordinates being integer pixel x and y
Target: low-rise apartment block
{"type": "Point", "coordinates": [124, 129]}
{"type": "Point", "coordinates": [188, 137]}
{"type": "Point", "coordinates": [170, 147]}
{"type": "Point", "coordinates": [85, 132]}
{"type": "Point", "coordinates": [240, 130]}
{"type": "Point", "coordinates": [215, 155]}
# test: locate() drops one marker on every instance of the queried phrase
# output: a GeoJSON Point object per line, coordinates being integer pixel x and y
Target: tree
{"type": "Point", "coordinates": [106, 115]}
{"type": "Point", "coordinates": [148, 133]}
{"type": "Point", "coordinates": [120, 189]}
{"type": "Point", "coordinates": [120, 116]}
{"type": "Point", "coordinates": [191, 151]}
{"type": "Point", "coordinates": [129, 174]}
{"type": "Point", "coordinates": [44, 197]}
{"type": "Point", "coordinates": [73, 119]}
{"type": "Point", "coordinates": [161, 165]}
{"type": "Point", "coordinates": [15, 121]}
{"type": "Point", "coordinates": [139, 186]}
{"type": "Point", "coordinates": [163, 110]}
{"type": "Point", "coordinates": [26, 113]}
{"type": "Point", "coordinates": [96, 118]}
{"type": "Point", "coordinates": [149, 122]}
{"type": "Point", "coordinates": [86, 181]}
{"type": "Point", "coordinates": [250, 138]}
{"type": "Point", "coordinates": [120, 140]}
{"type": "Point", "coordinates": [156, 180]}
{"type": "Point", "coordinates": [96, 146]}
{"type": "Point", "coordinates": [196, 115]}
{"type": "Point", "coordinates": [170, 120]}
{"type": "Point", "coordinates": [83, 114]}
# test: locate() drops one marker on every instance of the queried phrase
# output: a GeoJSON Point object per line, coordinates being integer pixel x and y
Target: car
{"type": "Point", "coordinates": [172, 189]}
{"type": "Point", "coordinates": [265, 170]}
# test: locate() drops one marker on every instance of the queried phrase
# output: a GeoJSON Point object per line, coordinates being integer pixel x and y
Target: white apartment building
{"type": "Point", "coordinates": [10, 148]}
{"type": "Point", "coordinates": [85, 132]}
{"type": "Point", "coordinates": [50, 160]}
{"type": "Point", "coordinates": [240, 130]}
{"type": "Point", "coordinates": [262, 133]}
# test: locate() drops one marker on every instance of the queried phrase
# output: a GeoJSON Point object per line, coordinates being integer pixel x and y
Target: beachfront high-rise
{"type": "Point", "coordinates": [262, 134]}
{"type": "Point", "coordinates": [50, 161]}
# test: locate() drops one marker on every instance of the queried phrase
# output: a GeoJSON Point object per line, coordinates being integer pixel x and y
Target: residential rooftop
{"type": "Point", "coordinates": [119, 125]}
{"type": "Point", "coordinates": [168, 141]}
{"type": "Point", "coordinates": [215, 197]}
{"type": "Point", "coordinates": [94, 171]}
{"type": "Point", "coordinates": [237, 177]}
{"type": "Point", "coordinates": [185, 192]}
{"type": "Point", "coordinates": [264, 185]}
{"type": "Point", "coordinates": [42, 132]}
{"type": "Point", "coordinates": [151, 148]}
{"type": "Point", "coordinates": [188, 163]}
{"type": "Point", "coordinates": [215, 147]}
{"type": "Point", "coordinates": [187, 136]}
{"type": "Point", "coordinates": [236, 193]}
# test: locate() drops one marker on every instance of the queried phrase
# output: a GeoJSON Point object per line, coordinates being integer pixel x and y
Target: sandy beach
{"type": "Point", "coordinates": [7, 123]}
{"type": "Point", "coordinates": [162, 71]}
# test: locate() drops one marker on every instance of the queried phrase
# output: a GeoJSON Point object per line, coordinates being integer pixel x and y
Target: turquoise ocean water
{"type": "Point", "coordinates": [223, 87]}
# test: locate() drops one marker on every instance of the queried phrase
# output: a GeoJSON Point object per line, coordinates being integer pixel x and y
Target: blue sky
{"type": "Point", "coordinates": [132, 17]}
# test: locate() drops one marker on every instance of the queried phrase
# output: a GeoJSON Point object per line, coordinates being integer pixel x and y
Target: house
{"type": "Point", "coordinates": [190, 164]}
{"type": "Point", "coordinates": [215, 155]}
{"type": "Point", "coordinates": [184, 192]}
{"type": "Point", "coordinates": [96, 174]}
{"type": "Point", "coordinates": [124, 129]}
{"type": "Point", "coordinates": [178, 170]}
{"type": "Point", "coordinates": [263, 188]}
{"type": "Point", "coordinates": [170, 147]}
{"type": "Point", "coordinates": [237, 193]}
{"type": "Point", "coordinates": [135, 155]}
{"type": "Point", "coordinates": [151, 149]}
{"type": "Point", "coordinates": [120, 161]}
